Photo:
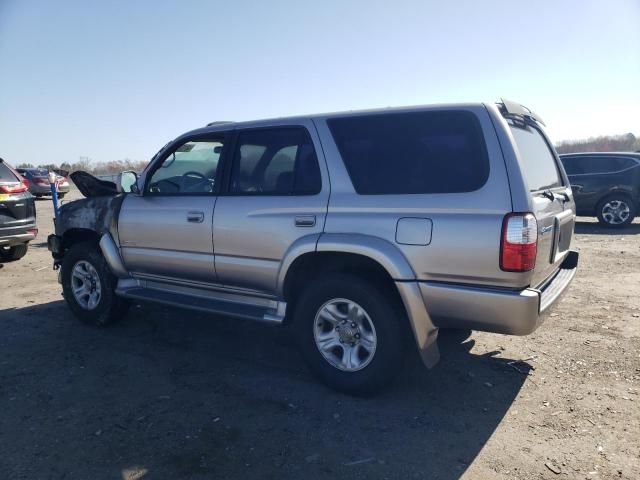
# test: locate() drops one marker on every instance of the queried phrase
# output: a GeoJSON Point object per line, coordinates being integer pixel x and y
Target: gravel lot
{"type": "Point", "coordinates": [174, 394]}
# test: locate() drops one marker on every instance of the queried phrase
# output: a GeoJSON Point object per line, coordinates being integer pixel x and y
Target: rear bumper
{"type": "Point", "coordinates": [17, 235]}
{"type": "Point", "coordinates": [496, 310]}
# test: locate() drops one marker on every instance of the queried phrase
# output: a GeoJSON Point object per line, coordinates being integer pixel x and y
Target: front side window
{"type": "Point", "coordinates": [538, 162]}
{"type": "Point", "coordinates": [278, 161]}
{"type": "Point", "coordinates": [189, 170]}
{"type": "Point", "coordinates": [413, 152]}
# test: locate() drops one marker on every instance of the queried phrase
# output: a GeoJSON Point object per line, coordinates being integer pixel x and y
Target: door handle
{"type": "Point", "coordinates": [305, 220]}
{"type": "Point", "coordinates": [195, 217]}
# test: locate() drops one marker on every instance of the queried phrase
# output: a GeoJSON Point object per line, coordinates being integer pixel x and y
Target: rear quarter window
{"type": "Point", "coordinates": [412, 153]}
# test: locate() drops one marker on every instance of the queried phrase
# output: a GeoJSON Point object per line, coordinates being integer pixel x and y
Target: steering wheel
{"type": "Point", "coordinates": [203, 179]}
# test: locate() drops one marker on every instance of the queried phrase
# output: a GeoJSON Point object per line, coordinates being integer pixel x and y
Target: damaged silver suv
{"type": "Point", "coordinates": [361, 230]}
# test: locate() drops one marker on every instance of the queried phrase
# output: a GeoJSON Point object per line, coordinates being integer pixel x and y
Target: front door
{"type": "Point", "coordinates": [275, 196]}
{"type": "Point", "coordinates": [166, 232]}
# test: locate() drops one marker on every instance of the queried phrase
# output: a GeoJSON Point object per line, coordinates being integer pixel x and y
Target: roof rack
{"type": "Point", "coordinates": [218, 122]}
{"type": "Point", "coordinates": [515, 111]}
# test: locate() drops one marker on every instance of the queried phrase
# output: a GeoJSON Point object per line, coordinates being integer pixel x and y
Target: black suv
{"type": "Point", "coordinates": [17, 214]}
{"type": "Point", "coordinates": [605, 185]}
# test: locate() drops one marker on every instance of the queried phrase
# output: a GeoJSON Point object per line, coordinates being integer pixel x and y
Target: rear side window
{"type": "Point", "coordinates": [538, 161]}
{"type": "Point", "coordinates": [595, 165]}
{"type": "Point", "coordinates": [571, 165]}
{"type": "Point", "coordinates": [412, 153]}
{"type": "Point", "coordinates": [278, 161]}
{"type": "Point", "coordinates": [6, 175]}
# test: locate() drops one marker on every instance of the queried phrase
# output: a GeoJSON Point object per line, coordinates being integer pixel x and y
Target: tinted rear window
{"type": "Point", "coordinates": [6, 175]}
{"type": "Point", "coordinates": [416, 152]}
{"type": "Point", "coordinates": [538, 162]}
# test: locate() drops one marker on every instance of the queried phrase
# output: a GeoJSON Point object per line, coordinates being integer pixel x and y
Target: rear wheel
{"type": "Point", "coordinates": [350, 333]}
{"type": "Point", "coordinates": [89, 286]}
{"type": "Point", "coordinates": [10, 254]}
{"type": "Point", "coordinates": [616, 211]}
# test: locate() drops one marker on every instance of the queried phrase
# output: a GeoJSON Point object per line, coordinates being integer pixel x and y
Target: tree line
{"type": "Point", "coordinates": [605, 143]}
{"type": "Point", "coordinates": [95, 168]}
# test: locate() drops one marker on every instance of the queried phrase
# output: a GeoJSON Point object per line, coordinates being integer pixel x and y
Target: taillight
{"type": "Point", "coordinates": [42, 181]}
{"type": "Point", "coordinates": [26, 182]}
{"type": "Point", "coordinates": [13, 188]}
{"type": "Point", "coordinates": [519, 243]}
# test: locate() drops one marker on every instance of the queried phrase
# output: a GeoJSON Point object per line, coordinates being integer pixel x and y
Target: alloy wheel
{"type": "Point", "coordinates": [345, 335]}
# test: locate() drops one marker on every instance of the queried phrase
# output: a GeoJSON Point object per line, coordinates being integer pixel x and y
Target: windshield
{"type": "Point", "coordinates": [538, 161]}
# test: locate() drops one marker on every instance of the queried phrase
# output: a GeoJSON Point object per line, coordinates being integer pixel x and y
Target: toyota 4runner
{"type": "Point", "coordinates": [354, 228]}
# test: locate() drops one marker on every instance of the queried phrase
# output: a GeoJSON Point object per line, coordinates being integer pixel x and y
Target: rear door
{"type": "Point", "coordinates": [275, 196]}
{"type": "Point", "coordinates": [551, 198]}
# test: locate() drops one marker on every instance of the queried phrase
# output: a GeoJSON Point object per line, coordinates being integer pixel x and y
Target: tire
{"type": "Point", "coordinates": [616, 211]}
{"type": "Point", "coordinates": [97, 303]}
{"type": "Point", "coordinates": [369, 368]}
{"type": "Point", "coordinates": [61, 196]}
{"type": "Point", "coordinates": [11, 254]}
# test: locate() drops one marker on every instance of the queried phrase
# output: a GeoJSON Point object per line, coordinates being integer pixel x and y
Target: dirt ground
{"type": "Point", "coordinates": [169, 394]}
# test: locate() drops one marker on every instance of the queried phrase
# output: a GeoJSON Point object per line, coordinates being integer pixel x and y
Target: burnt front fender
{"type": "Point", "coordinates": [96, 214]}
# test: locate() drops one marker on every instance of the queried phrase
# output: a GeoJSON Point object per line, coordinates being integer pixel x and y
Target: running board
{"type": "Point", "coordinates": [208, 304]}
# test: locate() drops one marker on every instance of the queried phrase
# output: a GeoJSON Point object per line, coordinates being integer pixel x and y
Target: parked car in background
{"type": "Point", "coordinates": [605, 185]}
{"type": "Point", "coordinates": [362, 229]}
{"type": "Point", "coordinates": [17, 214]}
{"type": "Point", "coordinates": [38, 182]}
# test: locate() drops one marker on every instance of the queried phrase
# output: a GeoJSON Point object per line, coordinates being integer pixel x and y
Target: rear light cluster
{"type": "Point", "coordinates": [13, 188]}
{"type": "Point", "coordinates": [519, 244]}
{"type": "Point", "coordinates": [42, 181]}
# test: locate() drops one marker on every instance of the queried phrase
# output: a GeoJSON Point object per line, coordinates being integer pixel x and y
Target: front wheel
{"type": "Point", "coordinates": [616, 211]}
{"type": "Point", "coordinates": [89, 286]}
{"type": "Point", "coordinates": [350, 332]}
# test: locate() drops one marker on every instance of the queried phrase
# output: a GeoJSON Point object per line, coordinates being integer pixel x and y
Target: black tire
{"type": "Point", "coordinates": [11, 254]}
{"type": "Point", "coordinates": [606, 202]}
{"type": "Point", "coordinates": [110, 307]}
{"type": "Point", "coordinates": [386, 316]}
{"type": "Point", "coordinates": [61, 195]}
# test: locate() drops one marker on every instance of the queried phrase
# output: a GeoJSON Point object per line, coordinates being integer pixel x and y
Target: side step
{"type": "Point", "coordinates": [207, 304]}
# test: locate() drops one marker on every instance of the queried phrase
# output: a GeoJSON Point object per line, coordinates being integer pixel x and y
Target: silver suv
{"type": "Point", "coordinates": [354, 228]}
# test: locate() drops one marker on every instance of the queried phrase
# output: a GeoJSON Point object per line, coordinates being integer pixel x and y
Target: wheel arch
{"type": "Point", "coordinates": [76, 235]}
{"type": "Point", "coordinates": [325, 251]}
{"type": "Point", "coordinates": [375, 259]}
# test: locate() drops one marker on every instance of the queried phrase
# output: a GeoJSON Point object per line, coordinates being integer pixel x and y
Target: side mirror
{"type": "Point", "coordinates": [128, 182]}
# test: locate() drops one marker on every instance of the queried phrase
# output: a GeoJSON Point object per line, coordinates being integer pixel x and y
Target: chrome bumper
{"type": "Point", "coordinates": [496, 310]}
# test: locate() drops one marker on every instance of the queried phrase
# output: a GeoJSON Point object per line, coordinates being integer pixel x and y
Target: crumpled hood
{"type": "Point", "coordinates": [91, 186]}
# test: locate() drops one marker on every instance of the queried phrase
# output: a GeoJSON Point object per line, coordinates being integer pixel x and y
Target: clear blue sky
{"type": "Point", "coordinates": [118, 79]}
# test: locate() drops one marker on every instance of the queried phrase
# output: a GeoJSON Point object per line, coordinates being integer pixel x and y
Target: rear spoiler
{"type": "Point", "coordinates": [515, 111]}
